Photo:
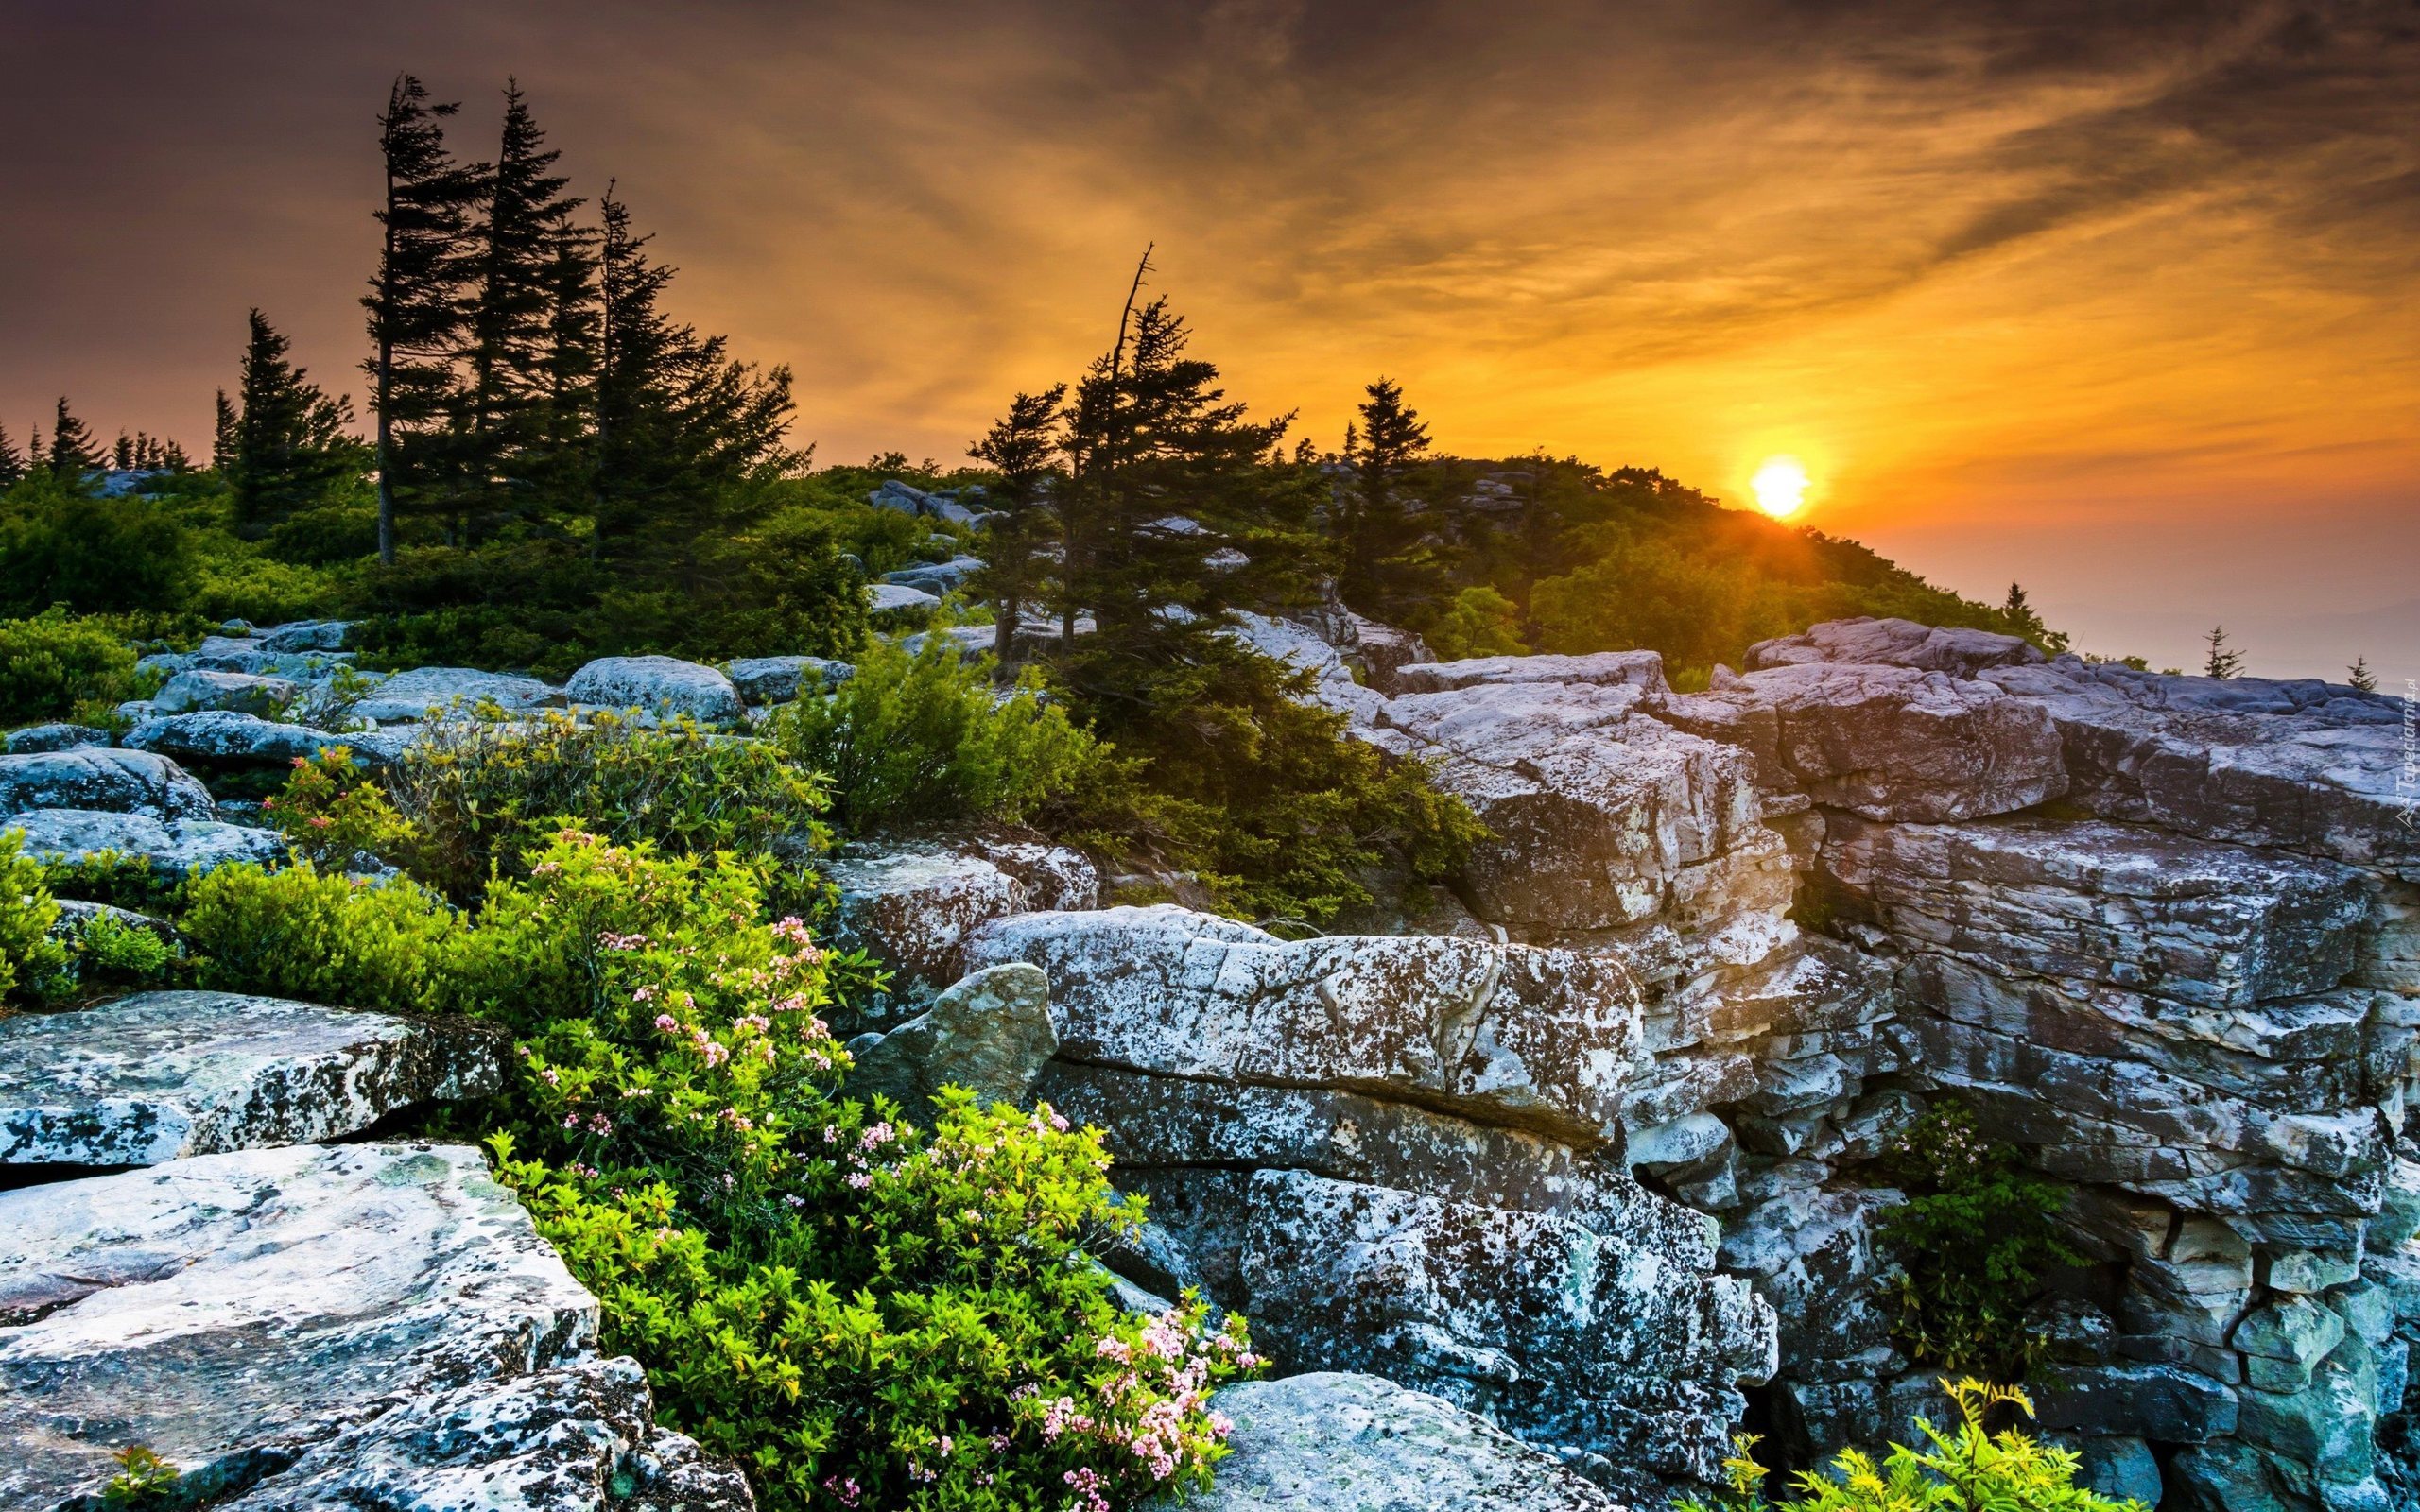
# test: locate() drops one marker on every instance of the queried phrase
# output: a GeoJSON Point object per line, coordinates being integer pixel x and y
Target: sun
{"type": "Point", "coordinates": [1780, 487]}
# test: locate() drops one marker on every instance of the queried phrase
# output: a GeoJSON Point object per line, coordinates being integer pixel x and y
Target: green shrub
{"type": "Point", "coordinates": [297, 933]}
{"type": "Point", "coordinates": [1479, 622]}
{"type": "Point", "coordinates": [62, 545]}
{"type": "Point", "coordinates": [923, 738]}
{"type": "Point", "coordinates": [56, 666]}
{"type": "Point", "coordinates": [334, 817]}
{"type": "Point", "coordinates": [143, 1479]}
{"type": "Point", "coordinates": [479, 792]}
{"type": "Point", "coordinates": [1971, 1242]}
{"type": "Point", "coordinates": [108, 955]}
{"type": "Point", "coordinates": [29, 958]}
{"type": "Point", "coordinates": [130, 882]}
{"type": "Point", "coordinates": [1966, 1469]}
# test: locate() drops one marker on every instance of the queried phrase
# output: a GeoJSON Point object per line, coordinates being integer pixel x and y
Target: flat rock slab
{"type": "Point", "coordinates": [231, 1310]}
{"type": "Point", "coordinates": [163, 1075]}
{"type": "Point", "coordinates": [410, 696]}
{"type": "Point", "coordinates": [110, 780]}
{"type": "Point", "coordinates": [1337, 1442]}
{"type": "Point", "coordinates": [181, 847]}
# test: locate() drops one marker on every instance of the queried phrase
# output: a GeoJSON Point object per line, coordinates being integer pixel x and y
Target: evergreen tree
{"type": "Point", "coordinates": [416, 304]}
{"type": "Point", "coordinates": [2361, 677]}
{"type": "Point", "coordinates": [560, 466]}
{"type": "Point", "coordinates": [122, 454]}
{"type": "Point", "coordinates": [679, 425]}
{"type": "Point", "coordinates": [532, 267]}
{"type": "Point", "coordinates": [74, 455]}
{"type": "Point", "coordinates": [2223, 661]}
{"type": "Point", "coordinates": [293, 449]}
{"type": "Point", "coordinates": [1023, 446]}
{"type": "Point", "coordinates": [222, 433]}
{"type": "Point", "coordinates": [37, 454]}
{"type": "Point", "coordinates": [13, 462]}
{"type": "Point", "coordinates": [1389, 440]}
{"type": "Point", "coordinates": [172, 456]}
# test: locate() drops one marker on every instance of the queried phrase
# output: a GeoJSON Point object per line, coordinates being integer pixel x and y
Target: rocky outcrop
{"type": "Point", "coordinates": [768, 680]}
{"type": "Point", "coordinates": [225, 739]}
{"type": "Point", "coordinates": [658, 685]}
{"type": "Point", "coordinates": [163, 1075]}
{"type": "Point", "coordinates": [990, 1033]}
{"type": "Point", "coordinates": [242, 692]}
{"type": "Point", "coordinates": [37, 738]}
{"type": "Point", "coordinates": [102, 779]}
{"type": "Point", "coordinates": [913, 904]}
{"type": "Point", "coordinates": [411, 696]}
{"type": "Point", "coordinates": [898, 599]}
{"type": "Point", "coordinates": [179, 847]}
{"type": "Point", "coordinates": [1333, 1442]}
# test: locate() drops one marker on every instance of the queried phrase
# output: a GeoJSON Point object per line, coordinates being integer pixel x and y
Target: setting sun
{"type": "Point", "coordinates": [1780, 487]}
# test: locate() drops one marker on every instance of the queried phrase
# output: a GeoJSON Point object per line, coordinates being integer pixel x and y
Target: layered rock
{"type": "Point", "coordinates": [102, 779]}
{"type": "Point", "coordinates": [913, 905]}
{"type": "Point", "coordinates": [179, 847]}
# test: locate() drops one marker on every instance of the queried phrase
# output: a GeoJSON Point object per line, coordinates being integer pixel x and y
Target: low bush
{"type": "Point", "coordinates": [1479, 622]}
{"type": "Point", "coordinates": [63, 545]}
{"type": "Point", "coordinates": [1971, 1243]}
{"type": "Point", "coordinates": [108, 955]}
{"type": "Point", "coordinates": [924, 737]}
{"type": "Point", "coordinates": [29, 957]}
{"type": "Point", "coordinates": [333, 816]}
{"type": "Point", "coordinates": [300, 932]}
{"type": "Point", "coordinates": [130, 882]}
{"type": "Point", "coordinates": [57, 666]}
{"type": "Point", "coordinates": [1965, 1470]}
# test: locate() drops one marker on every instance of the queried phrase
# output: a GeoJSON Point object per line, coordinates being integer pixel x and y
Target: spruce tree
{"type": "Point", "coordinates": [417, 305]}
{"type": "Point", "coordinates": [1022, 446]}
{"type": "Point", "coordinates": [222, 433]}
{"type": "Point", "coordinates": [122, 454]}
{"type": "Point", "coordinates": [74, 455]}
{"type": "Point", "coordinates": [293, 447]}
{"type": "Point", "coordinates": [37, 454]}
{"type": "Point", "coordinates": [1390, 441]}
{"type": "Point", "coordinates": [561, 464]}
{"type": "Point", "coordinates": [13, 462]}
{"type": "Point", "coordinates": [2361, 677]}
{"type": "Point", "coordinates": [2223, 661]}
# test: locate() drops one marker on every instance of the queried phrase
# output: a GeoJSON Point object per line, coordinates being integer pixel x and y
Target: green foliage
{"type": "Point", "coordinates": [1971, 1242]}
{"type": "Point", "coordinates": [143, 1479]}
{"type": "Point", "coordinates": [1479, 622]}
{"type": "Point", "coordinates": [300, 932]}
{"type": "Point", "coordinates": [129, 882]}
{"type": "Point", "coordinates": [922, 737]}
{"type": "Point", "coordinates": [108, 954]}
{"type": "Point", "coordinates": [1966, 1469]}
{"type": "Point", "coordinates": [334, 816]}
{"type": "Point", "coordinates": [54, 666]}
{"type": "Point", "coordinates": [29, 958]}
{"type": "Point", "coordinates": [62, 544]}
{"type": "Point", "coordinates": [478, 793]}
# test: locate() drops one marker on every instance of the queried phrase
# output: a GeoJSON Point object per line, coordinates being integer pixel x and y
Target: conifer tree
{"type": "Point", "coordinates": [2361, 677]}
{"type": "Point", "coordinates": [1389, 440]}
{"type": "Point", "coordinates": [561, 464]}
{"type": "Point", "coordinates": [13, 462]}
{"type": "Point", "coordinates": [2223, 661]}
{"type": "Point", "coordinates": [1022, 446]}
{"type": "Point", "coordinates": [172, 456]}
{"type": "Point", "coordinates": [73, 453]}
{"type": "Point", "coordinates": [293, 447]}
{"type": "Point", "coordinates": [222, 433]}
{"type": "Point", "coordinates": [122, 454]}
{"type": "Point", "coordinates": [37, 454]}
{"type": "Point", "coordinates": [416, 303]}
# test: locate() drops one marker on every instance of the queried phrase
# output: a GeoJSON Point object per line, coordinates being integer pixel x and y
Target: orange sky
{"type": "Point", "coordinates": [2120, 307]}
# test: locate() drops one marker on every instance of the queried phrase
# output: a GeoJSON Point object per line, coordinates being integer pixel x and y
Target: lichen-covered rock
{"type": "Point", "coordinates": [226, 738]}
{"type": "Point", "coordinates": [103, 780]}
{"type": "Point", "coordinates": [1961, 653]}
{"type": "Point", "coordinates": [305, 635]}
{"type": "Point", "coordinates": [1509, 1034]}
{"type": "Point", "coordinates": [410, 696]}
{"type": "Point", "coordinates": [243, 691]}
{"type": "Point", "coordinates": [1602, 669]}
{"type": "Point", "coordinates": [913, 904]}
{"type": "Point", "coordinates": [658, 684]}
{"type": "Point", "coordinates": [1333, 1442]}
{"type": "Point", "coordinates": [898, 598]}
{"type": "Point", "coordinates": [765, 679]}
{"type": "Point", "coordinates": [231, 1310]}
{"type": "Point", "coordinates": [179, 847]}
{"type": "Point", "coordinates": [163, 1075]}
{"type": "Point", "coordinates": [1609, 1341]}
{"type": "Point", "coordinates": [937, 578]}
{"type": "Point", "coordinates": [37, 738]}
{"type": "Point", "coordinates": [990, 1033]}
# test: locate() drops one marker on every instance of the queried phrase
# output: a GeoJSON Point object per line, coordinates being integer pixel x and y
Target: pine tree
{"type": "Point", "coordinates": [37, 454]}
{"type": "Point", "coordinates": [74, 456]}
{"type": "Point", "coordinates": [1389, 441]}
{"type": "Point", "coordinates": [293, 447]}
{"type": "Point", "coordinates": [222, 433]}
{"type": "Point", "coordinates": [172, 456]}
{"type": "Point", "coordinates": [416, 304]}
{"type": "Point", "coordinates": [13, 462]}
{"type": "Point", "coordinates": [2360, 676]}
{"type": "Point", "coordinates": [562, 460]}
{"type": "Point", "coordinates": [2222, 661]}
{"type": "Point", "coordinates": [530, 266]}
{"type": "Point", "coordinates": [122, 454]}
{"type": "Point", "coordinates": [1022, 446]}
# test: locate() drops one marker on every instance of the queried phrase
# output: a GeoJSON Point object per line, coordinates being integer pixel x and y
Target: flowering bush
{"type": "Point", "coordinates": [333, 815]}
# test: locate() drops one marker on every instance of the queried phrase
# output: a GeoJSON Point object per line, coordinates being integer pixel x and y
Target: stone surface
{"type": "Point", "coordinates": [658, 684]}
{"type": "Point", "coordinates": [937, 578]}
{"type": "Point", "coordinates": [102, 779]}
{"type": "Point", "coordinates": [1960, 653]}
{"type": "Point", "coordinates": [913, 904]}
{"type": "Point", "coordinates": [891, 598]}
{"type": "Point", "coordinates": [764, 680]}
{"type": "Point", "coordinates": [236, 740]}
{"type": "Point", "coordinates": [230, 1311]}
{"type": "Point", "coordinates": [163, 1075]}
{"type": "Point", "coordinates": [410, 696]}
{"type": "Point", "coordinates": [305, 635]}
{"type": "Point", "coordinates": [989, 1033]}
{"type": "Point", "coordinates": [179, 846]}
{"type": "Point", "coordinates": [1332, 1442]}
{"type": "Point", "coordinates": [34, 738]}
{"type": "Point", "coordinates": [243, 691]}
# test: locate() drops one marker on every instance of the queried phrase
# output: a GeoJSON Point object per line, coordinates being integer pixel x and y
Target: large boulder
{"type": "Point", "coordinates": [102, 779]}
{"type": "Point", "coordinates": [37, 738]}
{"type": "Point", "coordinates": [223, 738]}
{"type": "Point", "coordinates": [305, 635]}
{"type": "Point", "coordinates": [898, 598]}
{"type": "Point", "coordinates": [1508, 1034]}
{"type": "Point", "coordinates": [658, 684]}
{"type": "Point", "coordinates": [913, 904]}
{"type": "Point", "coordinates": [231, 1310]}
{"type": "Point", "coordinates": [1333, 1442]}
{"type": "Point", "coordinates": [409, 695]}
{"type": "Point", "coordinates": [163, 1075]}
{"type": "Point", "coordinates": [937, 578]}
{"type": "Point", "coordinates": [763, 679]}
{"type": "Point", "coordinates": [1862, 642]}
{"type": "Point", "coordinates": [243, 691]}
{"type": "Point", "coordinates": [990, 1033]}
{"type": "Point", "coordinates": [179, 847]}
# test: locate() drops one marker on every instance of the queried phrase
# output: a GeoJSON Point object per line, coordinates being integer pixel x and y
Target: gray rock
{"type": "Point", "coordinates": [764, 680]}
{"type": "Point", "coordinates": [1602, 669]}
{"type": "Point", "coordinates": [937, 578]}
{"type": "Point", "coordinates": [102, 779]}
{"type": "Point", "coordinates": [306, 635]}
{"type": "Point", "coordinates": [2157, 1401]}
{"type": "Point", "coordinates": [34, 739]}
{"type": "Point", "coordinates": [223, 737]}
{"type": "Point", "coordinates": [2120, 1468]}
{"type": "Point", "coordinates": [897, 598]}
{"type": "Point", "coordinates": [243, 691]}
{"type": "Point", "coordinates": [410, 696]}
{"type": "Point", "coordinates": [1897, 643]}
{"type": "Point", "coordinates": [179, 847]}
{"type": "Point", "coordinates": [163, 1075]}
{"type": "Point", "coordinates": [658, 684]}
{"type": "Point", "coordinates": [913, 905]}
{"type": "Point", "coordinates": [990, 1033]}
{"type": "Point", "coordinates": [232, 1311]}
{"type": "Point", "coordinates": [1332, 1442]}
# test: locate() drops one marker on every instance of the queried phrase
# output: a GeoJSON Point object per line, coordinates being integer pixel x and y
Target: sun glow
{"type": "Point", "coordinates": [1780, 487]}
